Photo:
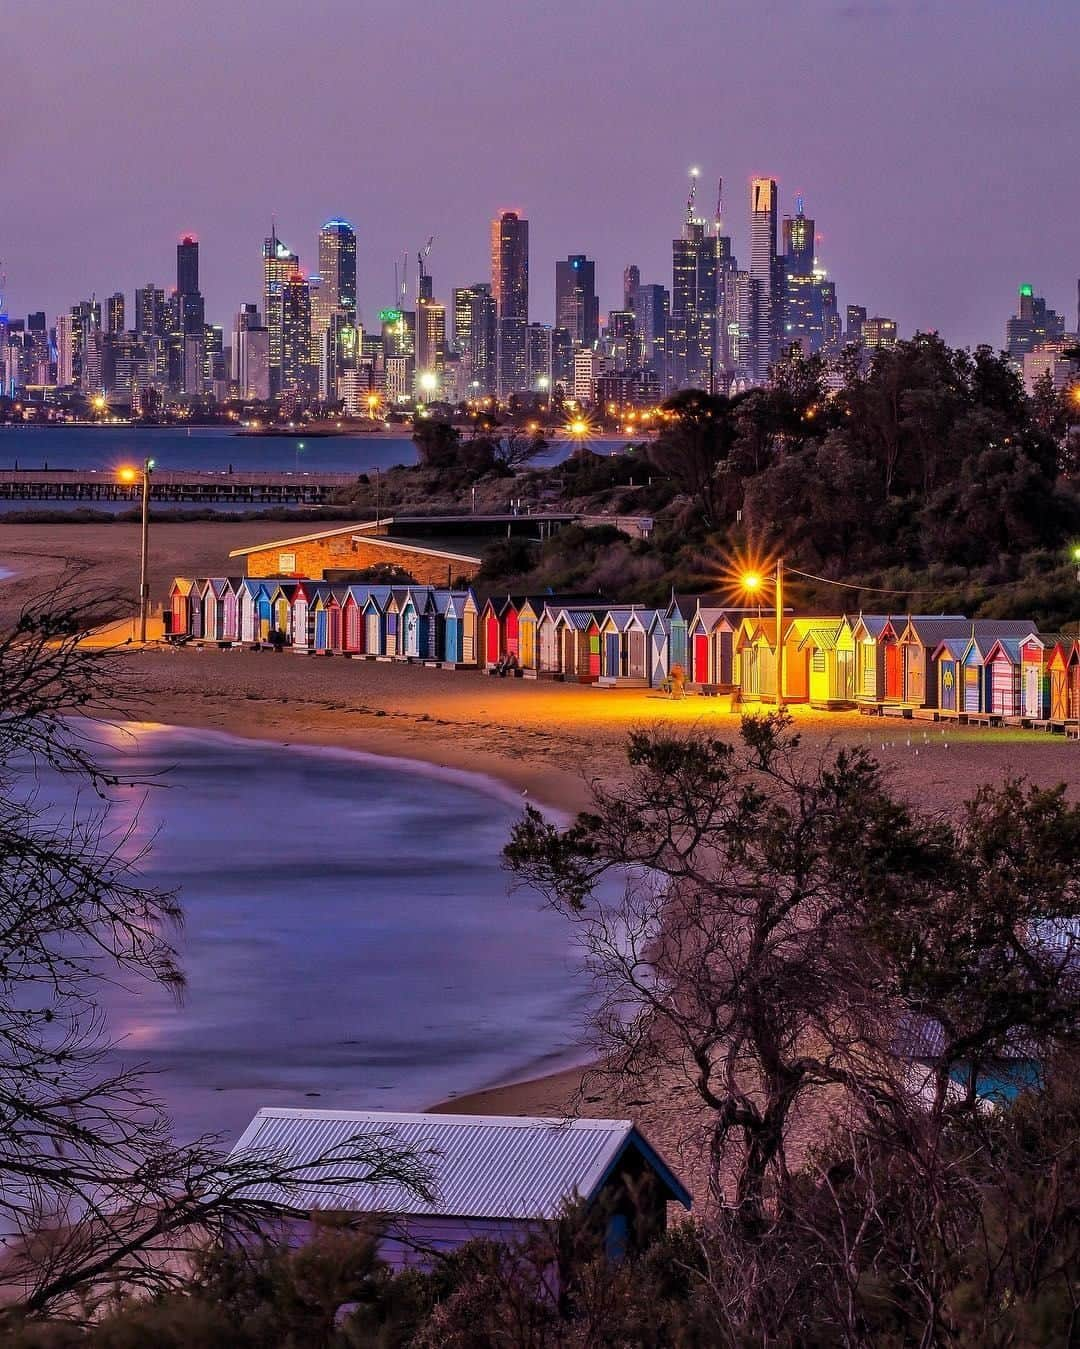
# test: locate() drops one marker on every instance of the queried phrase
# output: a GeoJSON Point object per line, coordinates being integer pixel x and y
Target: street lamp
{"type": "Point", "coordinates": [132, 475]}
{"type": "Point", "coordinates": [753, 582]}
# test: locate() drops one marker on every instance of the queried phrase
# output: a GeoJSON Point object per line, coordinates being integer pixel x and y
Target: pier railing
{"type": "Point", "coordinates": [90, 485]}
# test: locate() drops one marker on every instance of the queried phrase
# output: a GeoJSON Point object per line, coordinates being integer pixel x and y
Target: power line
{"type": "Point", "coordinates": [851, 585]}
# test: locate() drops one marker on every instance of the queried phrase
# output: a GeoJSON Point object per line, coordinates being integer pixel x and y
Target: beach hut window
{"type": "Point", "coordinates": [819, 662]}
{"type": "Point", "coordinates": [286, 562]}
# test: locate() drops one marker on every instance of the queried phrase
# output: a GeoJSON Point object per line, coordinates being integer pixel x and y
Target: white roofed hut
{"type": "Point", "coordinates": [500, 1178]}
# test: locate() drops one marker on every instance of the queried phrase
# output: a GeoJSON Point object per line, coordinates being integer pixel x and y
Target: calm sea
{"type": "Point", "coordinates": [350, 940]}
{"type": "Point", "coordinates": [218, 448]}
{"type": "Point", "coordinates": [213, 448]}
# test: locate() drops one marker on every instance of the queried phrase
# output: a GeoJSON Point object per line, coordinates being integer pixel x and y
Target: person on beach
{"type": "Point", "coordinates": [677, 682]}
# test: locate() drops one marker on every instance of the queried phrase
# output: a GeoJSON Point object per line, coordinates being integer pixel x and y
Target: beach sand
{"type": "Point", "coordinates": [544, 740]}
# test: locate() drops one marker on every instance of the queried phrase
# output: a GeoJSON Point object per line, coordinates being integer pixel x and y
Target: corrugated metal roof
{"type": "Point", "coordinates": [481, 1166]}
{"type": "Point", "coordinates": [823, 638]}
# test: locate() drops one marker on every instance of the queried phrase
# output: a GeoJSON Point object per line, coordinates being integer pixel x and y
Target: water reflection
{"type": "Point", "coordinates": [348, 934]}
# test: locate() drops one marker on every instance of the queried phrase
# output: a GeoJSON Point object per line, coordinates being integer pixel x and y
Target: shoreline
{"type": "Point", "coordinates": [523, 1091]}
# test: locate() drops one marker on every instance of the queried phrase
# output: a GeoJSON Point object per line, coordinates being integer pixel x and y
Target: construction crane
{"type": "Point", "coordinates": [421, 268]}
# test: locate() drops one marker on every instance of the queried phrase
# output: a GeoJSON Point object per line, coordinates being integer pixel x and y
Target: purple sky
{"type": "Point", "coordinates": [934, 140]}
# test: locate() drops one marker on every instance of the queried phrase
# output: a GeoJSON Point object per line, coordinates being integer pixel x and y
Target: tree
{"type": "Point", "coordinates": [93, 1193]}
{"type": "Point", "coordinates": [438, 444]}
{"type": "Point", "coordinates": [735, 968]}
{"type": "Point", "coordinates": [512, 449]}
{"type": "Point", "coordinates": [695, 445]}
{"type": "Point", "coordinates": [792, 943]}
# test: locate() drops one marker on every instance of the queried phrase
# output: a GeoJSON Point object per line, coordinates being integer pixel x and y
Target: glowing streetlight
{"type": "Point", "coordinates": [578, 427]}
{"type": "Point", "coordinates": [753, 583]}
{"type": "Point", "coordinates": [128, 474]}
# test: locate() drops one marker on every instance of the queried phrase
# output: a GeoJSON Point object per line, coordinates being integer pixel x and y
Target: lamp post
{"type": "Point", "coordinates": [752, 583]}
{"type": "Point", "coordinates": [130, 475]}
{"type": "Point", "coordinates": [778, 586]}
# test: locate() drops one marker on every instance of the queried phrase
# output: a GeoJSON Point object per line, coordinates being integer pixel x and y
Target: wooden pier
{"type": "Point", "coordinates": [174, 485]}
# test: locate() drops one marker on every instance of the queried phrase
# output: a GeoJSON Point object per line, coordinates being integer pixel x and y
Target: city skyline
{"type": "Point", "coordinates": [866, 112]}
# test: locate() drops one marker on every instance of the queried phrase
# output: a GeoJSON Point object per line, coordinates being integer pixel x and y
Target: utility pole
{"type": "Point", "coordinates": [779, 588]}
{"type": "Point", "coordinates": [144, 583]}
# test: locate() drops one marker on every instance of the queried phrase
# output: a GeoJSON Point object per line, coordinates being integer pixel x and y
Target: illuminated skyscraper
{"type": "Point", "coordinates": [337, 266]}
{"type": "Point", "coordinates": [248, 317]}
{"type": "Point", "coordinates": [691, 348]}
{"type": "Point", "coordinates": [879, 332]}
{"type": "Point", "coordinates": [483, 341]}
{"type": "Point", "coordinates": [65, 350]}
{"type": "Point", "coordinates": [279, 265]}
{"type": "Point", "coordinates": [856, 317]}
{"type": "Point", "coordinates": [764, 270]}
{"type": "Point", "coordinates": [510, 265]}
{"type": "Point", "coordinates": [577, 308]}
{"type": "Point", "coordinates": [333, 292]}
{"type": "Point", "coordinates": [510, 291]}
{"type": "Point", "coordinates": [297, 371]}
{"type": "Point", "coordinates": [652, 304]}
{"type": "Point", "coordinates": [801, 299]}
{"type": "Point", "coordinates": [114, 309]}
{"type": "Point", "coordinates": [150, 311]}
{"type": "Point", "coordinates": [430, 346]}
{"type": "Point", "coordinates": [1033, 324]}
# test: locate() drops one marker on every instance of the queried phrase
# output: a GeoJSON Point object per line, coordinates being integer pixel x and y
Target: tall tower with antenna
{"type": "Point", "coordinates": [692, 333]}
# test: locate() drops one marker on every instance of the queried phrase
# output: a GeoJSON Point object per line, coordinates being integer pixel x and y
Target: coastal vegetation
{"type": "Point", "coordinates": [929, 475]}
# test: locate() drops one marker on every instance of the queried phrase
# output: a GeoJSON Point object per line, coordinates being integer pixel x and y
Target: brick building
{"type": "Point", "coordinates": [355, 548]}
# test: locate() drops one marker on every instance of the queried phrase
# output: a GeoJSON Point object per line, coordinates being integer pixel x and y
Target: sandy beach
{"type": "Point", "coordinates": [544, 740]}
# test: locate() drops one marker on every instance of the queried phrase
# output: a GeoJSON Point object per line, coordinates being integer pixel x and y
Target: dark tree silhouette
{"type": "Point", "coordinates": [93, 1192]}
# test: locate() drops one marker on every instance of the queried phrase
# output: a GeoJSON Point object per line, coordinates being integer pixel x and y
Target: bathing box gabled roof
{"type": "Point", "coordinates": [582, 619]}
{"type": "Point", "coordinates": [822, 635]}
{"type": "Point", "coordinates": [480, 1166]}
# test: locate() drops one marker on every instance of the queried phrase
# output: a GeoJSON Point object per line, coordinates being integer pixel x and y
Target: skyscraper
{"type": "Point", "coordinates": [879, 333]}
{"type": "Point", "coordinates": [763, 269]}
{"type": "Point", "coordinates": [577, 307]}
{"type": "Point", "coordinates": [187, 266]}
{"type": "Point", "coordinates": [279, 264]}
{"type": "Point", "coordinates": [150, 311]}
{"type": "Point", "coordinates": [430, 346]}
{"type": "Point", "coordinates": [247, 317]}
{"type": "Point", "coordinates": [190, 306]}
{"type": "Point", "coordinates": [297, 372]}
{"type": "Point", "coordinates": [461, 321]}
{"type": "Point", "coordinates": [337, 266]}
{"type": "Point", "coordinates": [65, 350]}
{"type": "Point", "coordinates": [333, 292]}
{"type": "Point", "coordinates": [483, 340]}
{"type": "Point", "coordinates": [114, 310]}
{"type": "Point", "coordinates": [802, 320]}
{"type": "Point", "coordinates": [1033, 324]}
{"type": "Point", "coordinates": [510, 291]}
{"type": "Point", "coordinates": [856, 317]}
{"type": "Point", "coordinates": [510, 265]}
{"type": "Point", "coordinates": [691, 345]}
{"type": "Point", "coordinates": [631, 279]}
{"type": "Point", "coordinates": [651, 313]}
